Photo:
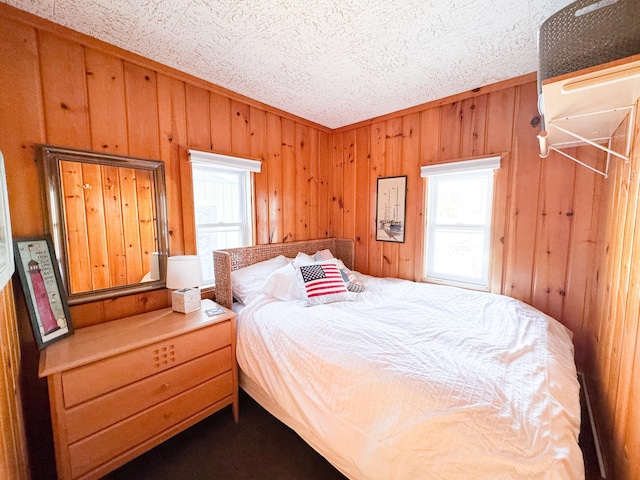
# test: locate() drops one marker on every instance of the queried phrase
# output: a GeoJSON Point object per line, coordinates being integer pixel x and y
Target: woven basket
{"type": "Point", "coordinates": [568, 42]}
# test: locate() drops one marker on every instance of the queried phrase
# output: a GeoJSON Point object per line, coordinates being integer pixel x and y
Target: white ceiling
{"type": "Point", "coordinates": [334, 62]}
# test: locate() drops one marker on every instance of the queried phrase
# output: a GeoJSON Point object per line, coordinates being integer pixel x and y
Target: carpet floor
{"type": "Point", "coordinates": [259, 447]}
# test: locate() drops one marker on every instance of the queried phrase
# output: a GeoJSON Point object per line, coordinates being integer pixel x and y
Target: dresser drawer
{"type": "Point", "coordinates": [90, 381]}
{"type": "Point", "coordinates": [97, 414]}
{"type": "Point", "coordinates": [91, 452]}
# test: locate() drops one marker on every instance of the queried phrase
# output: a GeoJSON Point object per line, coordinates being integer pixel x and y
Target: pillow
{"type": "Point", "coordinates": [283, 284]}
{"type": "Point", "coordinates": [321, 255]}
{"type": "Point", "coordinates": [303, 259]}
{"type": "Point", "coordinates": [322, 282]}
{"type": "Point", "coordinates": [247, 282]}
{"type": "Point", "coordinates": [351, 279]}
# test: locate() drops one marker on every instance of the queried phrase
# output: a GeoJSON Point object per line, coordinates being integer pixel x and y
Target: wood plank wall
{"type": "Point", "coordinates": [613, 336]}
{"type": "Point", "coordinates": [545, 210]}
{"type": "Point", "coordinates": [13, 453]}
{"type": "Point", "coordinates": [65, 89]}
{"type": "Point", "coordinates": [563, 241]}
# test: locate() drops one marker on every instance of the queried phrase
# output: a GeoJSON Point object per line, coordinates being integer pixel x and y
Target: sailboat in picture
{"type": "Point", "coordinates": [391, 209]}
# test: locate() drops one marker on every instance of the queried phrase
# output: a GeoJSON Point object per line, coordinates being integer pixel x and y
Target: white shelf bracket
{"type": "Point", "coordinates": [545, 148]}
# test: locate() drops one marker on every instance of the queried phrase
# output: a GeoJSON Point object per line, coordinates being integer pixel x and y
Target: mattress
{"type": "Point", "coordinates": [414, 380]}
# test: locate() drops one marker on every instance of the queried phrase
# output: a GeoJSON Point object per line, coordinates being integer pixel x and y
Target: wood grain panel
{"type": "Point", "coordinates": [240, 129]}
{"type": "Point", "coordinates": [173, 133]}
{"type": "Point", "coordinates": [363, 224]}
{"type": "Point", "coordinates": [106, 102]}
{"type": "Point", "coordinates": [302, 156]}
{"type": "Point", "coordinates": [274, 178]}
{"type": "Point", "coordinates": [220, 107]}
{"type": "Point", "coordinates": [65, 100]}
{"type": "Point", "coordinates": [142, 111]}
{"type": "Point", "coordinates": [261, 181]}
{"type": "Point", "coordinates": [288, 180]}
{"type": "Point", "coordinates": [410, 252]}
{"type": "Point", "coordinates": [91, 190]}
{"type": "Point", "coordinates": [324, 181]}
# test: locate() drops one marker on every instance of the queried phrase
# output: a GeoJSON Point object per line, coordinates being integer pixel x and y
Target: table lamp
{"type": "Point", "coordinates": [184, 276]}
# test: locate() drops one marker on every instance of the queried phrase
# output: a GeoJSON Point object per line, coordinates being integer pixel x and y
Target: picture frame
{"type": "Point", "coordinates": [7, 267]}
{"type": "Point", "coordinates": [391, 208]}
{"type": "Point", "coordinates": [44, 292]}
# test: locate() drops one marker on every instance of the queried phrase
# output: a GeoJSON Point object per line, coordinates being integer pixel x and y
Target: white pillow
{"type": "Point", "coordinates": [247, 282]}
{"type": "Point", "coordinates": [322, 282]}
{"type": "Point", "coordinates": [303, 259]}
{"type": "Point", "coordinates": [283, 284]}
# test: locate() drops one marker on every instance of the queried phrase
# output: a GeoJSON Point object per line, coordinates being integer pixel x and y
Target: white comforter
{"type": "Point", "coordinates": [417, 381]}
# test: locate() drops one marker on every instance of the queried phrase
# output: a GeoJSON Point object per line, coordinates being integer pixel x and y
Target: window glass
{"type": "Point", "coordinates": [222, 207]}
{"type": "Point", "coordinates": [458, 232]}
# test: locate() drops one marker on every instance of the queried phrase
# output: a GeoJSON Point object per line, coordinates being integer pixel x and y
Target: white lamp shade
{"type": "Point", "coordinates": [183, 271]}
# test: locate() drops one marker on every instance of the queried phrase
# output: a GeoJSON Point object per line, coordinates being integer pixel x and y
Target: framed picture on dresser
{"type": "Point", "coordinates": [6, 247]}
{"type": "Point", "coordinates": [43, 289]}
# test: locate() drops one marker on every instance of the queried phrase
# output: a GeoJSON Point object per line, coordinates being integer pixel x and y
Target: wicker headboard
{"type": "Point", "coordinates": [224, 261]}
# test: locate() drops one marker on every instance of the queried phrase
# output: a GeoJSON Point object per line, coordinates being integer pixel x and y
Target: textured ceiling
{"type": "Point", "coordinates": [334, 62]}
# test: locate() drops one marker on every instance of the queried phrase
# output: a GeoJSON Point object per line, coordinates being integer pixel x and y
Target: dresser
{"type": "Point", "coordinates": [118, 389]}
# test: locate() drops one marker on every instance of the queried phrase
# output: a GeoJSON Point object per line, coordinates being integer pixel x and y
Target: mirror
{"type": "Point", "coordinates": [108, 222]}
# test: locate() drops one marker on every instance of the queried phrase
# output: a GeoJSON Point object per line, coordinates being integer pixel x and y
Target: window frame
{"type": "Point", "coordinates": [227, 164]}
{"type": "Point", "coordinates": [473, 168]}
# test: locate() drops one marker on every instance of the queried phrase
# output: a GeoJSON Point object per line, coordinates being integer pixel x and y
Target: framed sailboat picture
{"type": "Point", "coordinates": [391, 206]}
{"type": "Point", "coordinates": [43, 289]}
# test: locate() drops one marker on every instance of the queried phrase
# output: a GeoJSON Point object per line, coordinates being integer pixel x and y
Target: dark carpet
{"type": "Point", "coordinates": [259, 447]}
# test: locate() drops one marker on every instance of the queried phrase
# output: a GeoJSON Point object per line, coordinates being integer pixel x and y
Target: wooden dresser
{"type": "Point", "coordinates": [120, 388]}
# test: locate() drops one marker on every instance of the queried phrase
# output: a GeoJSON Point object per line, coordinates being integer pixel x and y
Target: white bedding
{"type": "Point", "coordinates": [416, 381]}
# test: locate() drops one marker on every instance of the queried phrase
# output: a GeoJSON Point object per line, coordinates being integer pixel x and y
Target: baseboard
{"type": "Point", "coordinates": [592, 423]}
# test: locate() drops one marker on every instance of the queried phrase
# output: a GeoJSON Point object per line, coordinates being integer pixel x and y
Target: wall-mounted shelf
{"type": "Point", "coordinates": [593, 107]}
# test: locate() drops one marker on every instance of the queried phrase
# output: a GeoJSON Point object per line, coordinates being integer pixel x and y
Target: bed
{"type": "Point", "coordinates": [403, 380]}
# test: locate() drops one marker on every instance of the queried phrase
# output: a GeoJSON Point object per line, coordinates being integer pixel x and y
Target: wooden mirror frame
{"type": "Point", "coordinates": [49, 158]}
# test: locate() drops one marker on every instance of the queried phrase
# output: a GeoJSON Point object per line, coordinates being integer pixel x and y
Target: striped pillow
{"type": "Point", "coordinates": [322, 282]}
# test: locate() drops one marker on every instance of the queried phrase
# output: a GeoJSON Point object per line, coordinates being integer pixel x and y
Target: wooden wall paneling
{"type": "Point", "coordinates": [130, 224]}
{"type": "Point", "coordinates": [324, 184]}
{"type": "Point", "coordinates": [199, 118]}
{"type": "Point", "coordinates": [312, 181]}
{"type": "Point", "coordinates": [146, 218]}
{"type": "Point", "coordinates": [220, 121]}
{"type": "Point", "coordinates": [74, 211]}
{"type": "Point", "coordinates": [91, 191]}
{"type": "Point", "coordinates": [275, 173]}
{"type": "Point", "coordinates": [349, 184]}
{"type": "Point", "coordinates": [500, 111]}
{"type": "Point", "coordinates": [302, 157]}
{"type": "Point", "coordinates": [451, 131]}
{"type": "Point", "coordinates": [377, 162]}
{"type": "Point", "coordinates": [364, 178]}
{"type": "Point", "coordinates": [581, 285]}
{"type": "Point", "coordinates": [64, 90]}
{"type": "Point", "coordinates": [410, 252]}
{"type": "Point", "coordinates": [392, 168]}
{"type": "Point", "coordinates": [473, 126]}
{"type": "Point", "coordinates": [525, 192]}
{"type": "Point", "coordinates": [114, 234]}
{"type": "Point", "coordinates": [172, 123]}
{"type": "Point", "coordinates": [142, 111]}
{"type": "Point", "coordinates": [553, 236]}
{"type": "Point", "coordinates": [106, 103]}
{"type": "Point", "coordinates": [13, 453]}
{"type": "Point", "coordinates": [258, 138]}
{"type": "Point", "coordinates": [288, 180]}
{"type": "Point", "coordinates": [21, 125]}
{"type": "Point", "coordinates": [430, 136]}
{"type": "Point", "coordinates": [240, 129]}
{"type": "Point", "coordinates": [337, 186]}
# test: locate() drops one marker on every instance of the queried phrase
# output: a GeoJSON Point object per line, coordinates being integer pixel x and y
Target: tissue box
{"type": "Point", "coordinates": [186, 300]}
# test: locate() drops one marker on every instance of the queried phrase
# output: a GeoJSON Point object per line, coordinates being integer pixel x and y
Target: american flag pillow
{"type": "Point", "coordinates": [322, 282]}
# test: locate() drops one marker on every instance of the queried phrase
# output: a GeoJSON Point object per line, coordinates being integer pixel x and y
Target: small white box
{"type": "Point", "coordinates": [186, 300]}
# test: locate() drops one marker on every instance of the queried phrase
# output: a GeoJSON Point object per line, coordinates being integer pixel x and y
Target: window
{"type": "Point", "coordinates": [222, 201]}
{"type": "Point", "coordinates": [458, 232]}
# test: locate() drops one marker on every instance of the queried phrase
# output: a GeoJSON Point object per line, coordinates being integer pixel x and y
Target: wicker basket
{"type": "Point", "coordinates": [581, 35]}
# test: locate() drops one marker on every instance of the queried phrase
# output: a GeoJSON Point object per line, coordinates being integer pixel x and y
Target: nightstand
{"type": "Point", "coordinates": [120, 388]}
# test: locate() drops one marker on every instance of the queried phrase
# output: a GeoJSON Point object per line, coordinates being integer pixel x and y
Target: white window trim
{"type": "Point", "coordinates": [464, 167]}
{"type": "Point", "coordinates": [210, 158]}
{"type": "Point", "coordinates": [230, 162]}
